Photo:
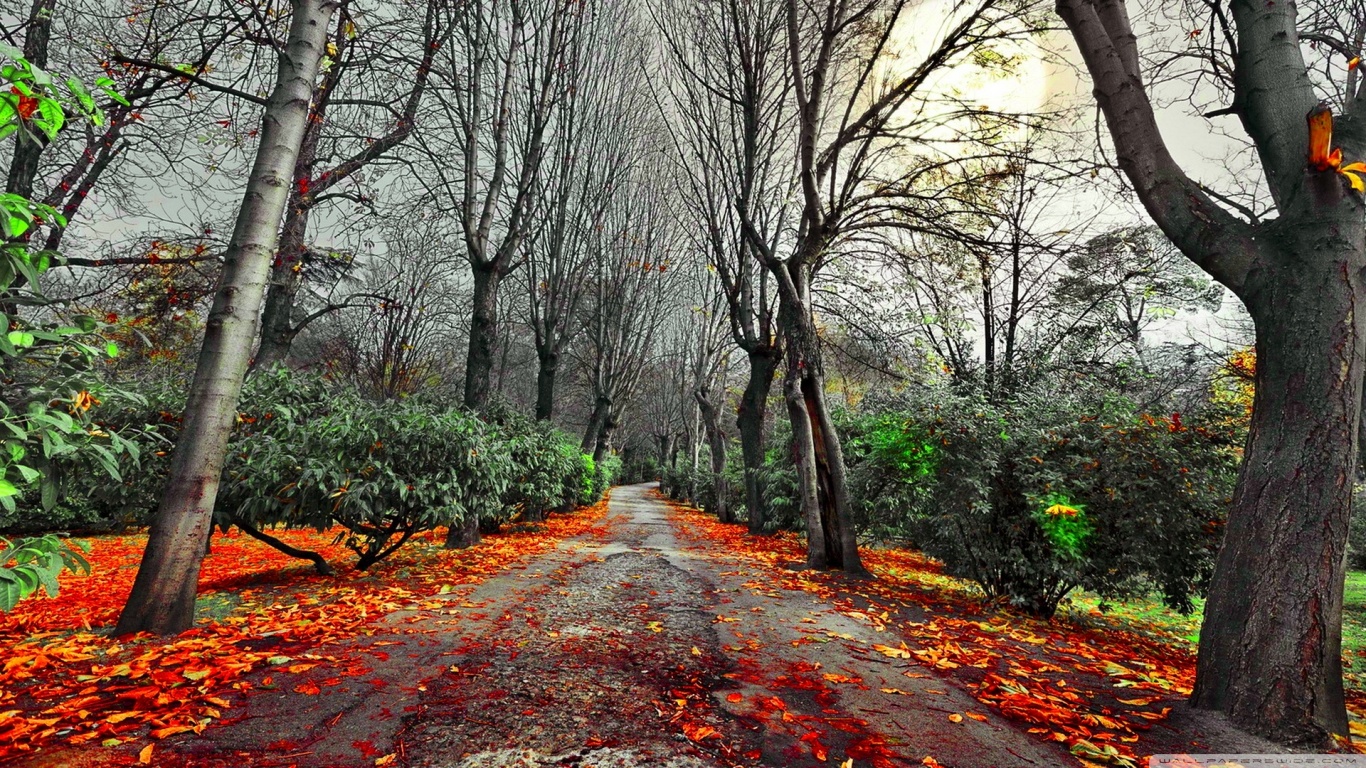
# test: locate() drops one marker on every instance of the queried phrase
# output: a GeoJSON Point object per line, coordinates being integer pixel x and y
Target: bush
{"type": "Point", "coordinates": [1032, 500]}
{"type": "Point", "coordinates": [310, 455]}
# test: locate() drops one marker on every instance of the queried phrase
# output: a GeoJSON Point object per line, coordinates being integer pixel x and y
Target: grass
{"type": "Point", "coordinates": [1150, 617]}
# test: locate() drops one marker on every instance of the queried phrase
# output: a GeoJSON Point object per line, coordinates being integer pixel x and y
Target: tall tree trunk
{"type": "Point", "coordinates": [163, 595]}
{"type": "Point", "coordinates": [545, 385]}
{"type": "Point", "coordinates": [601, 410]}
{"type": "Point", "coordinates": [716, 445]}
{"type": "Point", "coordinates": [483, 335]}
{"type": "Point", "coordinates": [1270, 647]}
{"type": "Point", "coordinates": [749, 419]}
{"type": "Point", "coordinates": [286, 276]}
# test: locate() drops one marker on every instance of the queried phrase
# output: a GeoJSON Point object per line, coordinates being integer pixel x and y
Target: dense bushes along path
{"type": "Point", "coordinates": [645, 641]}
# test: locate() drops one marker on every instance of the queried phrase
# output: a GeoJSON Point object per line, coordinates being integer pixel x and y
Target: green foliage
{"type": "Point", "coordinates": [26, 564]}
{"type": "Point", "coordinates": [309, 454]}
{"type": "Point", "coordinates": [1065, 523]}
{"type": "Point", "coordinates": [1054, 491]}
{"type": "Point", "coordinates": [50, 386]}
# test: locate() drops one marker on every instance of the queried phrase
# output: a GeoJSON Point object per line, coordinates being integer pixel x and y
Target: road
{"type": "Point", "coordinates": [620, 648]}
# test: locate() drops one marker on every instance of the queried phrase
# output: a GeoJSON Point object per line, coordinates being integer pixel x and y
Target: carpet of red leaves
{"type": "Point", "coordinates": [64, 679]}
{"type": "Point", "coordinates": [1092, 688]}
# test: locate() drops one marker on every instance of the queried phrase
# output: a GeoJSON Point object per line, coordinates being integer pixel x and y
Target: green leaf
{"type": "Point", "coordinates": [7, 488]}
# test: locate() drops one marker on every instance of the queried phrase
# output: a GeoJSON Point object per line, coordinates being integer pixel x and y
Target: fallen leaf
{"type": "Point", "coordinates": [145, 756]}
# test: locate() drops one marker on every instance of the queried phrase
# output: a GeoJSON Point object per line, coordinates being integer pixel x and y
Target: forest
{"type": "Point", "coordinates": [681, 383]}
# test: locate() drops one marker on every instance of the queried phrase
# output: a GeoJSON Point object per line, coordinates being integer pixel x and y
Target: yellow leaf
{"type": "Point", "coordinates": [895, 653]}
{"type": "Point", "coordinates": [145, 756]}
{"type": "Point", "coordinates": [1355, 181]}
{"type": "Point", "coordinates": [1359, 167]}
{"type": "Point", "coordinates": [847, 763]}
{"type": "Point", "coordinates": [955, 718]}
{"type": "Point", "coordinates": [387, 759]}
{"type": "Point", "coordinates": [696, 651]}
{"type": "Point", "coordinates": [897, 691]}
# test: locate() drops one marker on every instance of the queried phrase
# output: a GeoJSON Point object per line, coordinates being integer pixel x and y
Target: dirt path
{"type": "Point", "coordinates": [617, 649]}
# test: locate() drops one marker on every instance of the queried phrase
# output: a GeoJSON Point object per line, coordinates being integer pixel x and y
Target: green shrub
{"type": "Point", "coordinates": [1054, 492]}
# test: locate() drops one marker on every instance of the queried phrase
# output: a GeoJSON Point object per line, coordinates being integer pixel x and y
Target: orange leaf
{"type": "Point", "coordinates": [308, 688]}
{"type": "Point", "coordinates": [699, 733]}
{"type": "Point", "coordinates": [145, 756]}
{"type": "Point", "coordinates": [955, 718]}
{"type": "Point", "coordinates": [1320, 137]}
{"type": "Point", "coordinates": [979, 717]}
{"type": "Point", "coordinates": [735, 697]}
{"type": "Point", "coordinates": [172, 730]}
{"type": "Point", "coordinates": [895, 653]}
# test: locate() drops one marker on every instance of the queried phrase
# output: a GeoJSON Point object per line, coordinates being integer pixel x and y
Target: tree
{"type": "Point", "coordinates": [353, 52]}
{"type": "Point", "coordinates": [592, 129]}
{"type": "Point", "coordinates": [163, 595]}
{"type": "Point", "coordinates": [1270, 648]}
{"type": "Point", "coordinates": [734, 150]}
{"type": "Point", "coordinates": [506, 65]}
{"type": "Point", "coordinates": [854, 177]}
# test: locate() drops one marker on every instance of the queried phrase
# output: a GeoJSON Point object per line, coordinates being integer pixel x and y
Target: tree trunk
{"type": "Point", "coordinates": [603, 446]}
{"type": "Point", "coordinates": [483, 336]}
{"type": "Point", "coordinates": [602, 408]}
{"type": "Point", "coordinates": [716, 444]}
{"type": "Point", "coordinates": [824, 494]}
{"type": "Point", "coordinates": [464, 534]}
{"type": "Point", "coordinates": [163, 595]}
{"type": "Point", "coordinates": [23, 169]}
{"type": "Point", "coordinates": [749, 419]}
{"type": "Point", "coordinates": [286, 276]}
{"type": "Point", "coordinates": [545, 385]}
{"type": "Point", "coordinates": [1270, 647]}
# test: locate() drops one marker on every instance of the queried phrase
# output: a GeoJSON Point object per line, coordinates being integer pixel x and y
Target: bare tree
{"type": "Point", "coordinates": [852, 125]}
{"type": "Point", "coordinates": [731, 88]}
{"type": "Point", "coordinates": [366, 54]}
{"type": "Point", "coordinates": [502, 77]}
{"type": "Point", "coordinates": [593, 128]}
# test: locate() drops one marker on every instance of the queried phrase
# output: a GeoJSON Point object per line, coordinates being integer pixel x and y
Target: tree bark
{"type": "Point", "coordinates": [824, 494]}
{"type": "Point", "coordinates": [163, 595]}
{"type": "Point", "coordinates": [277, 327]}
{"type": "Point", "coordinates": [545, 385]}
{"type": "Point", "coordinates": [716, 444]}
{"type": "Point", "coordinates": [749, 419]}
{"type": "Point", "coordinates": [483, 335]}
{"type": "Point", "coordinates": [1270, 650]}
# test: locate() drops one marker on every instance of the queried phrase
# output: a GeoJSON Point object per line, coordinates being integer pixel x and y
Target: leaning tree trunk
{"type": "Point", "coordinates": [545, 385]}
{"type": "Point", "coordinates": [716, 445]}
{"type": "Point", "coordinates": [162, 599]}
{"type": "Point", "coordinates": [1270, 647]}
{"type": "Point", "coordinates": [749, 419]}
{"type": "Point", "coordinates": [483, 335]}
